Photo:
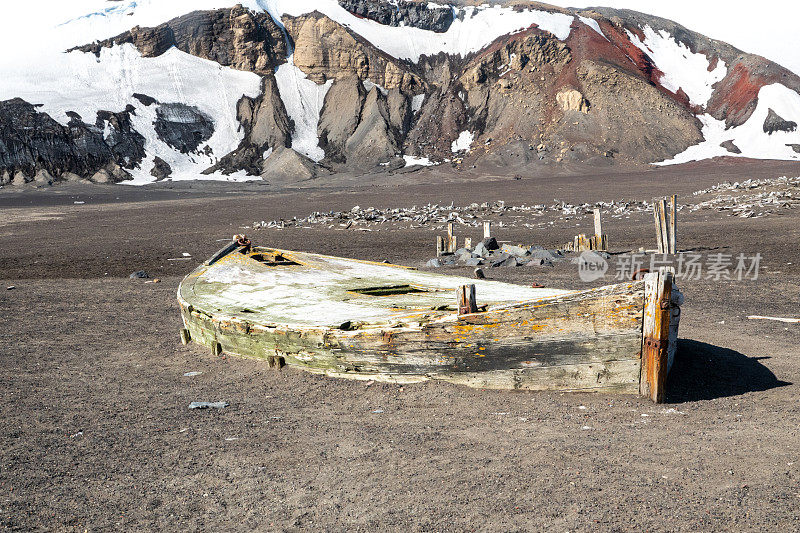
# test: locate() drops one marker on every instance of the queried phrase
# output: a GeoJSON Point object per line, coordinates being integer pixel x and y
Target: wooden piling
{"type": "Point", "coordinates": [657, 220]}
{"type": "Point", "coordinates": [466, 300]}
{"type": "Point", "coordinates": [185, 336]}
{"type": "Point", "coordinates": [487, 229]}
{"type": "Point", "coordinates": [598, 225]}
{"type": "Point", "coordinates": [662, 219]}
{"type": "Point", "coordinates": [673, 224]}
{"type": "Point", "coordinates": [468, 243]}
{"type": "Point", "coordinates": [451, 238]}
{"type": "Point", "coordinates": [655, 335]}
{"type": "Point", "coordinates": [439, 246]}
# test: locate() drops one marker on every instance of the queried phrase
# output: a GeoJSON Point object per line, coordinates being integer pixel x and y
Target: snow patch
{"type": "Point", "coordinates": [682, 69]}
{"type": "Point", "coordinates": [414, 160]}
{"type": "Point", "coordinates": [369, 84]}
{"type": "Point", "coordinates": [416, 102]}
{"type": "Point", "coordinates": [473, 29]}
{"type": "Point", "coordinates": [463, 143]}
{"type": "Point", "coordinates": [303, 100]}
{"type": "Point", "coordinates": [750, 137]}
{"type": "Point", "coordinates": [593, 24]}
{"type": "Point", "coordinates": [267, 153]}
{"type": "Point", "coordinates": [84, 84]}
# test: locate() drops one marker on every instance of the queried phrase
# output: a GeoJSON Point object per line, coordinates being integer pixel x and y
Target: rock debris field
{"type": "Point", "coordinates": [750, 198]}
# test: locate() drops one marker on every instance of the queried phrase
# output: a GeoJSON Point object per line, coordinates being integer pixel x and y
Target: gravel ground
{"type": "Point", "coordinates": [96, 433]}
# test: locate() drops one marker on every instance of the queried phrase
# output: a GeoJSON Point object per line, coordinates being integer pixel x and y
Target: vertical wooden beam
{"type": "Point", "coordinates": [466, 300]}
{"type": "Point", "coordinates": [657, 220]}
{"type": "Point", "coordinates": [451, 238]}
{"type": "Point", "coordinates": [487, 229]}
{"type": "Point", "coordinates": [662, 218]}
{"type": "Point", "coordinates": [655, 335]}
{"type": "Point", "coordinates": [186, 337]}
{"type": "Point", "coordinates": [439, 246]}
{"type": "Point", "coordinates": [598, 225]}
{"type": "Point", "coordinates": [673, 224]}
{"type": "Point", "coordinates": [467, 243]}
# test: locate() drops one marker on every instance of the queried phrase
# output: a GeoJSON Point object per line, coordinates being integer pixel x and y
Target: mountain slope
{"type": "Point", "coordinates": [357, 86]}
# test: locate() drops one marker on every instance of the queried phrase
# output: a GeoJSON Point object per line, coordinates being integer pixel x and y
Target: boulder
{"type": "Point", "coordinates": [518, 251]}
{"type": "Point", "coordinates": [572, 100]}
{"type": "Point", "coordinates": [161, 169]}
{"type": "Point", "coordinates": [102, 176]}
{"type": "Point", "coordinates": [731, 147]}
{"type": "Point", "coordinates": [490, 244]}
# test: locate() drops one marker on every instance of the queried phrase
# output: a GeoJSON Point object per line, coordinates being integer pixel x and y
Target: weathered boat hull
{"type": "Point", "coordinates": [573, 341]}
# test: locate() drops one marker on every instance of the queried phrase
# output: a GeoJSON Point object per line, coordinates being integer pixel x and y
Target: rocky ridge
{"type": "Point", "coordinates": [529, 99]}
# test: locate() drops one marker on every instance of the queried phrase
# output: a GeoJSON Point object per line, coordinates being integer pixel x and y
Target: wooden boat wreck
{"type": "Point", "coordinates": [365, 320]}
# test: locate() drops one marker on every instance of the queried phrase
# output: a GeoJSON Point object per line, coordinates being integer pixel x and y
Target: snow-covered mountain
{"type": "Point", "coordinates": [284, 90]}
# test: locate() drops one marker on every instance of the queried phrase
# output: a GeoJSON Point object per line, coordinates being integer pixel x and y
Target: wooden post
{"type": "Point", "coordinates": [658, 227]}
{"type": "Point", "coordinates": [673, 225]}
{"type": "Point", "coordinates": [451, 238]}
{"type": "Point", "coordinates": [655, 335]}
{"type": "Point", "coordinates": [439, 246]}
{"type": "Point", "coordinates": [466, 300]}
{"type": "Point", "coordinates": [598, 225]}
{"type": "Point", "coordinates": [487, 229]}
{"type": "Point", "coordinates": [662, 219]}
{"type": "Point", "coordinates": [468, 243]}
{"type": "Point", "coordinates": [185, 336]}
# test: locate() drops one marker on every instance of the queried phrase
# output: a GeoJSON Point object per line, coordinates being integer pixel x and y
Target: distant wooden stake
{"type": "Point", "coordinates": [439, 246]}
{"type": "Point", "coordinates": [487, 229]}
{"type": "Point", "coordinates": [468, 243]}
{"type": "Point", "coordinates": [662, 218]}
{"type": "Point", "coordinates": [598, 226]}
{"type": "Point", "coordinates": [466, 300]}
{"type": "Point", "coordinates": [657, 220]}
{"type": "Point", "coordinates": [451, 238]}
{"type": "Point", "coordinates": [673, 225]}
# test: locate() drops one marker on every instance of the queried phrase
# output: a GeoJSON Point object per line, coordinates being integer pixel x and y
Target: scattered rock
{"type": "Point", "coordinates": [161, 169]}
{"type": "Point", "coordinates": [490, 244]}
{"type": "Point", "coordinates": [775, 122]}
{"type": "Point", "coordinates": [731, 147]}
{"type": "Point", "coordinates": [479, 273]}
{"type": "Point", "coordinates": [517, 251]}
{"type": "Point", "coordinates": [208, 405]}
{"type": "Point", "coordinates": [139, 274]}
{"type": "Point", "coordinates": [572, 100]}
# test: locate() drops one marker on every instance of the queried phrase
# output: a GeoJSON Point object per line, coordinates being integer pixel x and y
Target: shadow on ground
{"type": "Point", "coordinates": [704, 372]}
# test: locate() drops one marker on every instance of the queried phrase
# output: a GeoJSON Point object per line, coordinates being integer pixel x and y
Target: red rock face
{"type": "Point", "coordinates": [736, 95]}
